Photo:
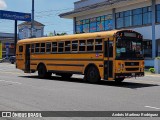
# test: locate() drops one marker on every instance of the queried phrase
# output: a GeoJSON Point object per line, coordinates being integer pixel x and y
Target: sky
{"type": "Point", "coordinates": [46, 12]}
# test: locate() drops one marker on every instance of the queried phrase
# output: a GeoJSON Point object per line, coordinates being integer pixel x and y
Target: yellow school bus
{"type": "Point", "coordinates": [112, 55]}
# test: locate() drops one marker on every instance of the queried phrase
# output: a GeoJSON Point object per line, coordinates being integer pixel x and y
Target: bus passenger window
{"type": "Point", "coordinates": [82, 45]}
{"type": "Point", "coordinates": [54, 47]}
{"type": "Point", "coordinates": [37, 47]}
{"type": "Point", "coordinates": [67, 46]}
{"type": "Point", "coordinates": [48, 47]}
{"type": "Point", "coordinates": [74, 45]}
{"type": "Point", "coordinates": [43, 47]}
{"type": "Point", "coordinates": [20, 48]}
{"type": "Point", "coordinates": [90, 45]}
{"type": "Point", "coordinates": [98, 45]}
{"type": "Point", "coordinates": [60, 46]}
{"type": "Point", "coordinates": [32, 48]}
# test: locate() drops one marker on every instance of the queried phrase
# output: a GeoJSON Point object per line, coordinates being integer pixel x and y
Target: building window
{"type": "Point", "coordinates": [100, 23]}
{"type": "Point", "coordinates": [93, 25]}
{"type": "Point", "coordinates": [158, 13]}
{"type": "Point", "coordinates": [147, 49]}
{"type": "Point", "coordinates": [108, 22]}
{"type": "Point", "coordinates": [86, 26]}
{"type": "Point", "coordinates": [79, 26]}
{"type": "Point", "coordinates": [137, 17]}
{"type": "Point", "coordinates": [128, 18]}
{"type": "Point", "coordinates": [147, 15]}
{"type": "Point", "coordinates": [119, 20]}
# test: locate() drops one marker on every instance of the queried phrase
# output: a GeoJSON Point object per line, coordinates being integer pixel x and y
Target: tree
{"type": "Point", "coordinates": [56, 34]}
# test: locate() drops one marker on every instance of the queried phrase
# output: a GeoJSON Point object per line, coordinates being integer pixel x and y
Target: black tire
{"type": "Point", "coordinates": [66, 75]}
{"type": "Point", "coordinates": [92, 75]}
{"type": "Point", "coordinates": [119, 80]}
{"type": "Point", "coordinates": [42, 72]}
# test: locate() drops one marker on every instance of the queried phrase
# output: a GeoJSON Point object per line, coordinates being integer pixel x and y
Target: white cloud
{"type": "Point", "coordinates": [3, 5]}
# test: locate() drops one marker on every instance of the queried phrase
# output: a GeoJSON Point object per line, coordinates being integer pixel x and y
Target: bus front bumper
{"type": "Point", "coordinates": [129, 75]}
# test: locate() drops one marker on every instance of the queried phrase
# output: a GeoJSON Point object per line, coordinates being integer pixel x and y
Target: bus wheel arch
{"type": "Point", "coordinates": [91, 73]}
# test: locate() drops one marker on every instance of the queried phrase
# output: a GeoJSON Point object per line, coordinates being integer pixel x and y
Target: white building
{"type": "Point", "coordinates": [25, 30]}
{"type": "Point", "coordinates": [142, 16]}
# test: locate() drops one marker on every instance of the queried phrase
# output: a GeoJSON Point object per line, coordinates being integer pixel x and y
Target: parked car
{"type": "Point", "coordinates": [12, 59]}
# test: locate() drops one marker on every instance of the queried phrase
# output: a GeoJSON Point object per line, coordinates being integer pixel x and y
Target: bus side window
{"type": "Point", "coordinates": [82, 45]}
{"type": "Point", "coordinates": [98, 45]}
{"type": "Point", "coordinates": [32, 48]}
{"type": "Point", "coordinates": [67, 46]}
{"type": "Point", "coordinates": [48, 47]}
{"type": "Point", "coordinates": [43, 46]}
{"type": "Point", "coordinates": [74, 46]}
{"type": "Point", "coordinates": [20, 48]}
{"type": "Point", "coordinates": [90, 45]}
{"type": "Point", "coordinates": [37, 50]}
{"type": "Point", "coordinates": [54, 47]}
{"type": "Point", "coordinates": [60, 47]}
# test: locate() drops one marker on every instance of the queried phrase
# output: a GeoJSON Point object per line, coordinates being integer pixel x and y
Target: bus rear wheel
{"type": "Point", "coordinates": [92, 75]}
{"type": "Point", "coordinates": [119, 80]}
{"type": "Point", "coordinates": [42, 72]}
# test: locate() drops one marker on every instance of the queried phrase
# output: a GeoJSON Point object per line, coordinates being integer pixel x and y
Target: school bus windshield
{"type": "Point", "coordinates": [129, 49]}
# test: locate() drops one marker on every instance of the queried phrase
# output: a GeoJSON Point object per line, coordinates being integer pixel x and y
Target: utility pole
{"type": "Point", "coordinates": [32, 22]}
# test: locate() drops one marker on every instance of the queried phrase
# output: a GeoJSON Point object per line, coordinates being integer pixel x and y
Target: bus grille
{"type": "Point", "coordinates": [131, 63]}
{"type": "Point", "coordinates": [132, 69]}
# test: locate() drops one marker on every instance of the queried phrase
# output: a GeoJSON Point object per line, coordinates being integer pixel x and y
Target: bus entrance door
{"type": "Point", "coordinates": [108, 59]}
{"type": "Point", "coordinates": [27, 59]}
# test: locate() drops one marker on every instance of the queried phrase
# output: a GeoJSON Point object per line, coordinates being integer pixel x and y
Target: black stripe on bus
{"type": "Point", "coordinates": [33, 64]}
{"type": "Point", "coordinates": [59, 71]}
{"type": "Point", "coordinates": [79, 65]}
{"type": "Point", "coordinates": [19, 59]}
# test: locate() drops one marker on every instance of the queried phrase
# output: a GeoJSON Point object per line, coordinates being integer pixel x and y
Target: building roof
{"type": "Point", "coordinates": [91, 7]}
{"type": "Point", "coordinates": [36, 23]}
{"type": "Point", "coordinates": [6, 35]}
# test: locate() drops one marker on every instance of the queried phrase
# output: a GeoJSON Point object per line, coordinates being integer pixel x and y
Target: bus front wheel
{"type": "Point", "coordinates": [42, 72]}
{"type": "Point", "coordinates": [92, 75]}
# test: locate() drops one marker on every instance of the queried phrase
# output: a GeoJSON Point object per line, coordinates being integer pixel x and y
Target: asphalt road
{"type": "Point", "coordinates": [25, 92]}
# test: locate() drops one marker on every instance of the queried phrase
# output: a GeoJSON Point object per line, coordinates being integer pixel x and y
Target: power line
{"type": "Point", "coordinates": [54, 10]}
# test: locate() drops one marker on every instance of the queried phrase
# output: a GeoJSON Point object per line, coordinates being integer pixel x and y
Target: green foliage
{"type": "Point", "coordinates": [152, 70]}
{"type": "Point", "coordinates": [51, 34]}
{"type": "Point", "coordinates": [56, 34]}
{"type": "Point", "coordinates": [158, 58]}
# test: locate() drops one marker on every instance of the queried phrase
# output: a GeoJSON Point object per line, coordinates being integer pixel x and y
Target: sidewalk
{"type": "Point", "coordinates": [151, 74]}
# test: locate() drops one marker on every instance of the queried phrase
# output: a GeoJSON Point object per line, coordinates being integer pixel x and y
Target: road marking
{"type": "Point", "coordinates": [10, 82]}
{"type": "Point", "coordinates": [153, 107]}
